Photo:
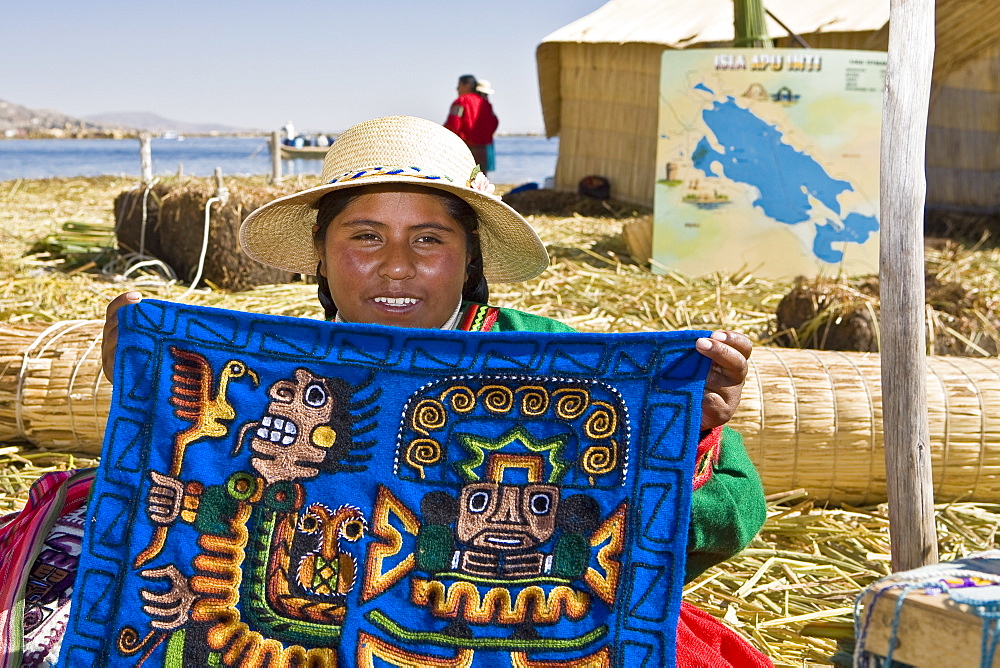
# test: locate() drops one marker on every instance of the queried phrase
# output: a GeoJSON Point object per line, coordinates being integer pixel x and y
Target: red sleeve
{"type": "Point", "coordinates": [456, 118]}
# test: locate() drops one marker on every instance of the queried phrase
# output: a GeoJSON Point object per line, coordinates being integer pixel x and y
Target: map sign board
{"type": "Point", "coordinates": [768, 162]}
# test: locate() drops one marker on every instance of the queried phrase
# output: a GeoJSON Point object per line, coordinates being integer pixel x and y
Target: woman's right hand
{"type": "Point", "coordinates": [110, 341]}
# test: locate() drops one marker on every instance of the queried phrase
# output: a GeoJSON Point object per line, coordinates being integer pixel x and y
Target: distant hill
{"type": "Point", "coordinates": [142, 120]}
{"type": "Point", "coordinates": [21, 120]}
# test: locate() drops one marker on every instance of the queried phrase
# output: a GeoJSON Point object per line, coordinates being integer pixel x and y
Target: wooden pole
{"type": "Point", "coordinates": [276, 156]}
{"type": "Point", "coordinates": [221, 191]}
{"type": "Point", "coordinates": [901, 275]}
{"type": "Point", "coordinates": [145, 158]}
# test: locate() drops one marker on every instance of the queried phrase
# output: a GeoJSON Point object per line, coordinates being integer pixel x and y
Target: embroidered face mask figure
{"type": "Point", "coordinates": [507, 518]}
{"type": "Point", "coordinates": [517, 541]}
{"type": "Point", "coordinates": [295, 435]}
{"type": "Point", "coordinates": [502, 526]}
{"type": "Point", "coordinates": [294, 575]}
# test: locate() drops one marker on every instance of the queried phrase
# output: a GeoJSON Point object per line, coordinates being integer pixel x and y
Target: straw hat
{"type": "Point", "coordinates": [483, 86]}
{"type": "Point", "coordinates": [396, 149]}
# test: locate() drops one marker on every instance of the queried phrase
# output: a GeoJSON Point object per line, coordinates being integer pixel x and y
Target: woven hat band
{"type": "Point", "coordinates": [367, 172]}
{"type": "Point", "coordinates": [400, 142]}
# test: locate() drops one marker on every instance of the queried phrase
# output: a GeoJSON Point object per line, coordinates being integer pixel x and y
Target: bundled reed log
{"type": "Point", "coordinates": [52, 390]}
{"type": "Point", "coordinates": [813, 419]}
{"type": "Point", "coordinates": [174, 230]}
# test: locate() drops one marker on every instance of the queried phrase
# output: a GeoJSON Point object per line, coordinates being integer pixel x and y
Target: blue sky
{"type": "Point", "coordinates": [323, 65]}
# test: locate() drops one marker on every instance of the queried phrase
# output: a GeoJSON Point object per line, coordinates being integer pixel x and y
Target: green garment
{"type": "Point", "coordinates": [726, 512]}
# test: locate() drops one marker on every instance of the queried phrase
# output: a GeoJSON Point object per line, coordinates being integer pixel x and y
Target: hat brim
{"type": "Point", "coordinates": [279, 234]}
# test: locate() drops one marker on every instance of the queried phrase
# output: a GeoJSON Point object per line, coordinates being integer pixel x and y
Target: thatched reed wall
{"type": "Point", "coordinates": [811, 419]}
{"type": "Point", "coordinates": [963, 131]}
{"type": "Point", "coordinates": [608, 116]}
{"type": "Point", "coordinates": [868, 40]}
{"type": "Point", "coordinates": [174, 232]}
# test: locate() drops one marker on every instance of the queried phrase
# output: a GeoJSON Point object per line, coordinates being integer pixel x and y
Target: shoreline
{"type": "Point", "coordinates": [131, 134]}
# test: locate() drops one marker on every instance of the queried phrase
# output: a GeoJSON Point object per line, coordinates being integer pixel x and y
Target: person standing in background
{"type": "Point", "coordinates": [471, 117]}
{"type": "Point", "coordinates": [290, 134]}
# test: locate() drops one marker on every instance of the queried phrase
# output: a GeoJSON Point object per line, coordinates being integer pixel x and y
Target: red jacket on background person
{"type": "Point", "coordinates": [471, 117]}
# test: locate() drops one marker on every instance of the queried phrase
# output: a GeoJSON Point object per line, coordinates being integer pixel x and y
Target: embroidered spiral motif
{"type": "Point", "coordinates": [129, 641]}
{"type": "Point", "coordinates": [423, 452]}
{"type": "Point", "coordinates": [497, 398]}
{"type": "Point", "coordinates": [571, 403]}
{"type": "Point", "coordinates": [534, 400]}
{"type": "Point", "coordinates": [602, 422]}
{"type": "Point", "coordinates": [462, 399]}
{"type": "Point", "coordinates": [599, 459]}
{"type": "Point", "coordinates": [427, 415]}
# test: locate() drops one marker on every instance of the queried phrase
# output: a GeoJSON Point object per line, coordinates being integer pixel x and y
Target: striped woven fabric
{"type": "Point", "coordinates": [22, 539]}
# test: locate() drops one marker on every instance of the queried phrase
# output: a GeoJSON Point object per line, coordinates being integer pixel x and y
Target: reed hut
{"type": "Point", "coordinates": [599, 81]}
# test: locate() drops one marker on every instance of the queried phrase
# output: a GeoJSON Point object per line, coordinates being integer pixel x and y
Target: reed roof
{"type": "Point", "coordinates": [678, 24]}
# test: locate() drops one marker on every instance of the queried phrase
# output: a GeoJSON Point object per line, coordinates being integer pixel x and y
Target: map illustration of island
{"type": "Point", "coordinates": [768, 162]}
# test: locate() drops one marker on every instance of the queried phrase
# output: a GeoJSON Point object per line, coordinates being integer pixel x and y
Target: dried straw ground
{"type": "Point", "coordinates": [791, 592]}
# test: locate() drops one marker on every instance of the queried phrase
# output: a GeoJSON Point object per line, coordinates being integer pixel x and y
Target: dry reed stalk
{"type": "Point", "coordinates": [792, 591]}
{"type": "Point", "coordinates": [20, 466]}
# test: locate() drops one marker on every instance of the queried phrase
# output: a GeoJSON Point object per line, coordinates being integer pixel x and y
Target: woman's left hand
{"type": "Point", "coordinates": [729, 352]}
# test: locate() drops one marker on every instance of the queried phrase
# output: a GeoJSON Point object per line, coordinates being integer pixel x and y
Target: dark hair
{"type": "Point", "coordinates": [468, 79]}
{"type": "Point", "coordinates": [333, 203]}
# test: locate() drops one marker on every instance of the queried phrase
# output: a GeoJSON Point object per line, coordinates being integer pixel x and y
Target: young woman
{"type": "Point", "coordinates": [406, 231]}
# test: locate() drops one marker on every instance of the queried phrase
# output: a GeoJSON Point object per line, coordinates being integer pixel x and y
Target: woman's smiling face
{"type": "Point", "coordinates": [395, 256]}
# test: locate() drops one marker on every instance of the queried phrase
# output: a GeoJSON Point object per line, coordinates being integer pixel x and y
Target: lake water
{"type": "Point", "coordinates": [519, 159]}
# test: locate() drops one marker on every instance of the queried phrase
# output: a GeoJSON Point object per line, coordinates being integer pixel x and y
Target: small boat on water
{"type": "Point", "coordinates": [295, 146]}
{"type": "Point", "coordinates": [303, 152]}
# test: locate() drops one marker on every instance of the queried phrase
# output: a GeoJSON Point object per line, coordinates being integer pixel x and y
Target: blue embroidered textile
{"type": "Point", "coordinates": [280, 491]}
